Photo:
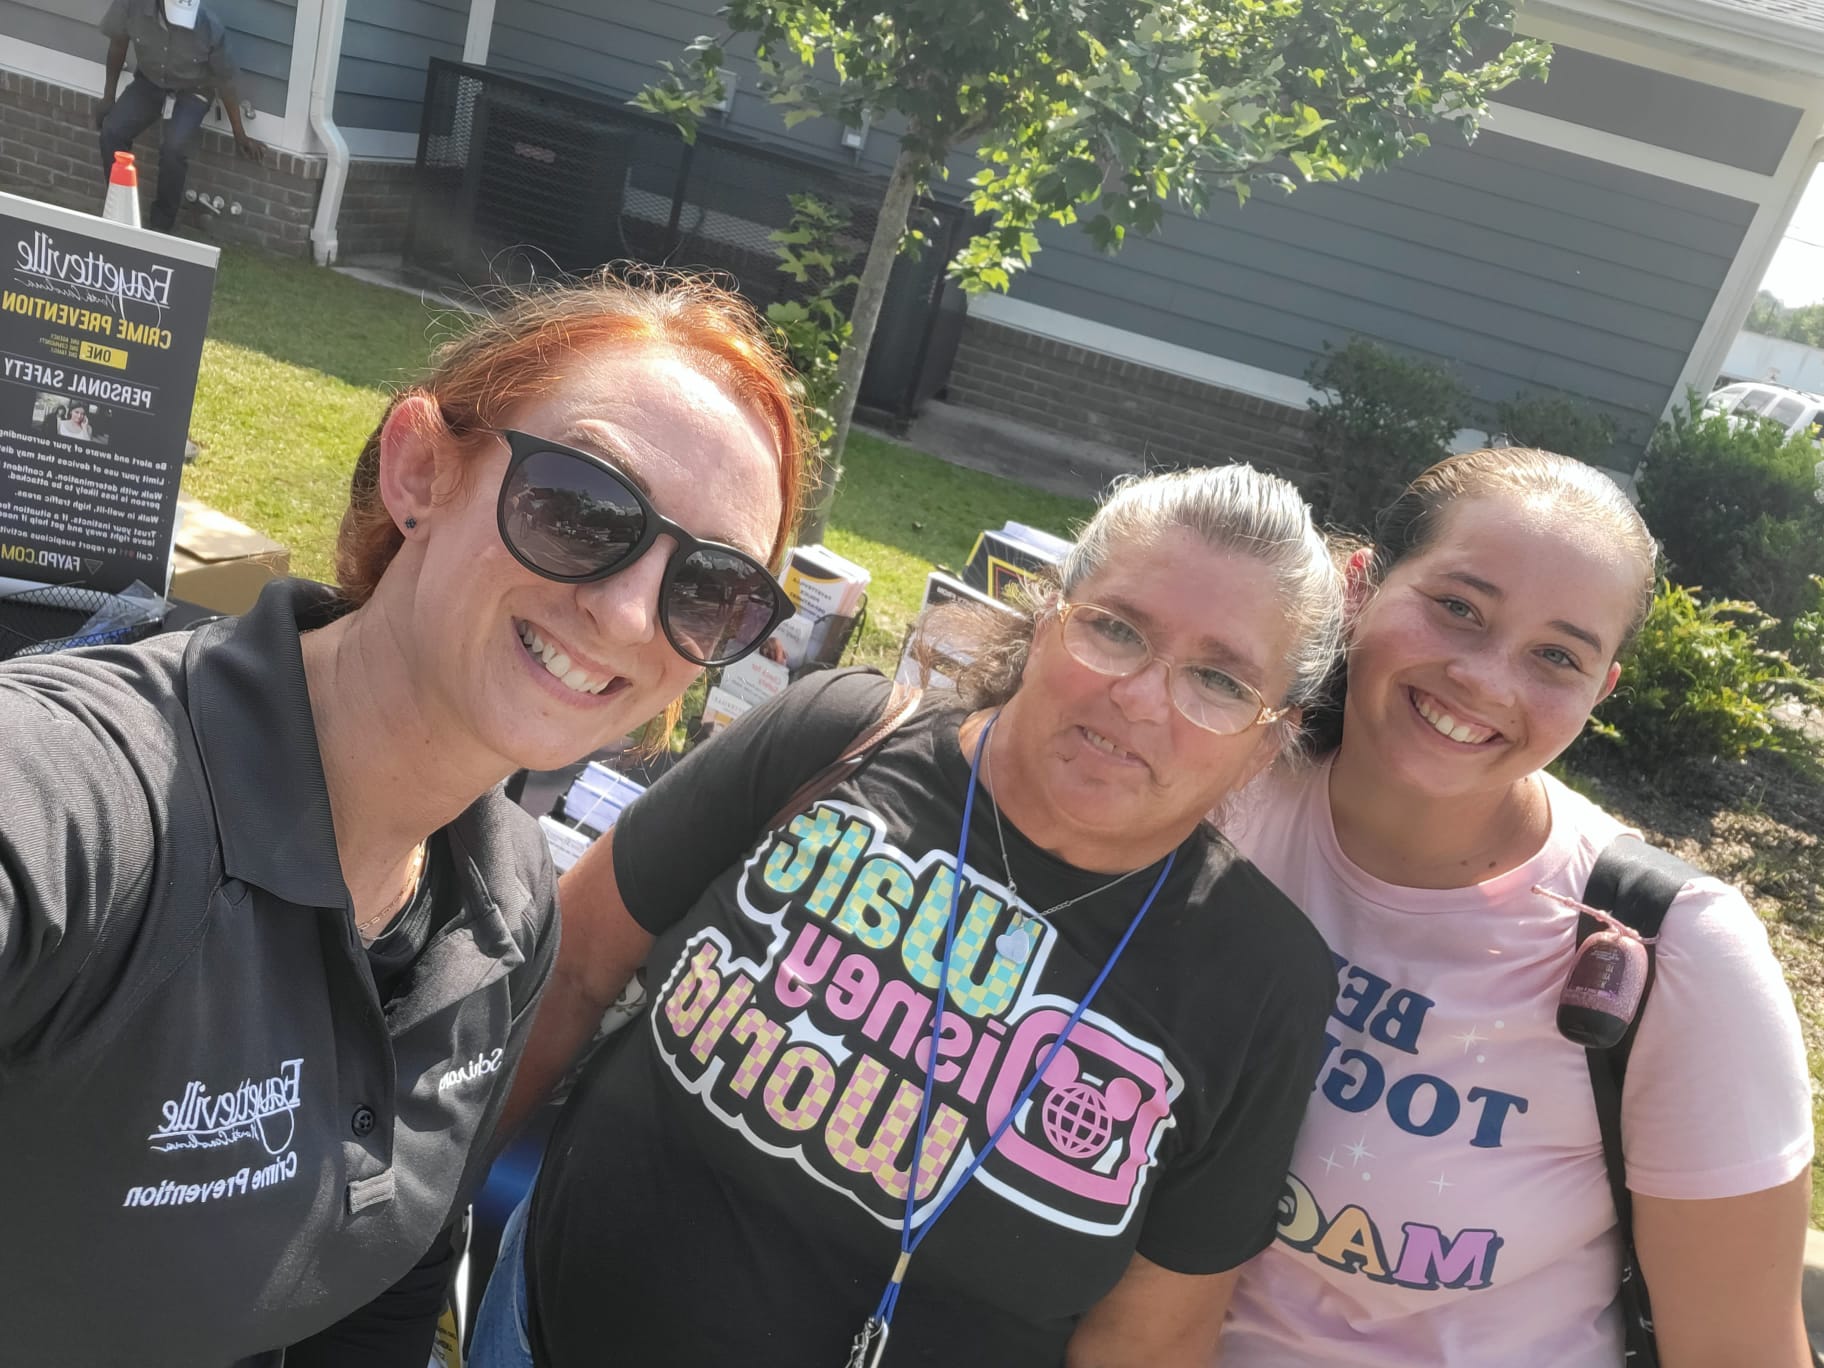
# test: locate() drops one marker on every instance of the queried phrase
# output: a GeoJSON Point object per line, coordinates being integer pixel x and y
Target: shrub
{"type": "Point", "coordinates": [1698, 685]}
{"type": "Point", "coordinates": [1808, 634]}
{"type": "Point", "coordinates": [813, 326]}
{"type": "Point", "coordinates": [1735, 508]}
{"type": "Point", "coordinates": [1378, 420]}
{"type": "Point", "coordinates": [1555, 422]}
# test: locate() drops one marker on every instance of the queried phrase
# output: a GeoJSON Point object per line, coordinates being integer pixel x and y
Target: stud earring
{"type": "Point", "coordinates": [410, 523]}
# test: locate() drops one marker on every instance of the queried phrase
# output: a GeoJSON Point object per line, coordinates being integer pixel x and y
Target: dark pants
{"type": "Point", "coordinates": [133, 113]}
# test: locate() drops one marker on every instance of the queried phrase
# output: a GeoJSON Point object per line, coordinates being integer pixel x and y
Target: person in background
{"type": "Point", "coordinates": [1449, 1202]}
{"type": "Point", "coordinates": [270, 931]}
{"type": "Point", "coordinates": [1126, 1016]}
{"type": "Point", "coordinates": [181, 60]}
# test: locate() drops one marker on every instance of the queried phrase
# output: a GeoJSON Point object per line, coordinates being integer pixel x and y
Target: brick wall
{"type": "Point", "coordinates": [50, 150]}
{"type": "Point", "coordinates": [375, 205]}
{"type": "Point", "coordinates": [1167, 419]}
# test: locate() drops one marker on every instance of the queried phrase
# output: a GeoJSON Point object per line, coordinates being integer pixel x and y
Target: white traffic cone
{"type": "Point", "coordinates": [123, 191]}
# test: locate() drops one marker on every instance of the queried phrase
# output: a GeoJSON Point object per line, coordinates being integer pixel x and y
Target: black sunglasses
{"type": "Point", "coordinates": [570, 516]}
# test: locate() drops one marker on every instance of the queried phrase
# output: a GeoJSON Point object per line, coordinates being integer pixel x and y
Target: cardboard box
{"type": "Point", "coordinates": [219, 563]}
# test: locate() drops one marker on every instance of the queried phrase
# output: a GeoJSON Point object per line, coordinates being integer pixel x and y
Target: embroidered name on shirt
{"type": "Point", "coordinates": [479, 1067]}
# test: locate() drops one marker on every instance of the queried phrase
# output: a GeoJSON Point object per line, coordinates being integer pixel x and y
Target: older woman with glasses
{"type": "Point", "coordinates": [990, 1054]}
{"type": "Point", "coordinates": [270, 935]}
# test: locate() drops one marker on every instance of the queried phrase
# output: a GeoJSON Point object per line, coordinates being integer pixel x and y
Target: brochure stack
{"type": "Point", "coordinates": [592, 804]}
{"type": "Point", "coordinates": [830, 592]}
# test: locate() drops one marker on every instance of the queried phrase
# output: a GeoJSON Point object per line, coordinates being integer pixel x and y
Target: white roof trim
{"type": "Point", "coordinates": [1765, 40]}
{"type": "Point", "coordinates": [1617, 150]}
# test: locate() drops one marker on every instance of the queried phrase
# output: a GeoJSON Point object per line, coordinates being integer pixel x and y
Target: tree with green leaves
{"type": "Point", "coordinates": [1103, 112]}
{"type": "Point", "coordinates": [1772, 318]}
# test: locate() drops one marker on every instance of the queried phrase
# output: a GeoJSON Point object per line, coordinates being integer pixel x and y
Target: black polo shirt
{"type": "Point", "coordinates": [214, 1140]}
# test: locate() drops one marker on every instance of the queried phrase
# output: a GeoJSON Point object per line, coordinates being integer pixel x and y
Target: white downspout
{"type": "Point", "coordinates": [323, 124]}
{"type": "Point", "coordinates": [479, 34]}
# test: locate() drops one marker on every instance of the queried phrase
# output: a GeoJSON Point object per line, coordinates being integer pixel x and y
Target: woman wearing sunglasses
{"type": "Point", "coordinates": [270, 936]}
{"type": "Point", "coordinates": [1125, 1015]}
{"type": "Point", "coordinates": [1449, 1203]}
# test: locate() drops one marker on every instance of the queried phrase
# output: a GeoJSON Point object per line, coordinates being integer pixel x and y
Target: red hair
{"type": "Point", "coordinates": [518, 353]}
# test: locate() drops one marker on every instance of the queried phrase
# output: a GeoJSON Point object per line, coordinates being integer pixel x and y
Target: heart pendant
{"type": "Point", "coordinates": [1015, 946]}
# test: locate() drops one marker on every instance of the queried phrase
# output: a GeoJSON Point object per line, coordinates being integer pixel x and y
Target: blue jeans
{"type": "Point", "coordinates": [134, 112]}
{"type": "Point", "coordinates": [503, 1337]}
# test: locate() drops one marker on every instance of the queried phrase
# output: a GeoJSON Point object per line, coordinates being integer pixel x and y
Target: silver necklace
{"type": "Point", "coordinates": [1016, 943]}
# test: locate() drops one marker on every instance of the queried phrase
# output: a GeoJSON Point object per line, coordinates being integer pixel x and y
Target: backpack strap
{"type": "Point", "coordinates": [901, 702]}
{"type": "Point", "coordinates": [1636, 884]}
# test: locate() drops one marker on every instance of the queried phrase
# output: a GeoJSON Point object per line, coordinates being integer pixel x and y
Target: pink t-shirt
{"type": "Point", "coordinates": [1448, 1203]}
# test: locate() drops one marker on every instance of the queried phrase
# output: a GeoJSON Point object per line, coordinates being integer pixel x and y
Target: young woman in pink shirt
{"type": "Point", "coordinates": [1448, 1202]}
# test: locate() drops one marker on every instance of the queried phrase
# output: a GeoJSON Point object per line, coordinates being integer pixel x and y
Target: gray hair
{"type": "Point", "coordinates": [1233, 508]}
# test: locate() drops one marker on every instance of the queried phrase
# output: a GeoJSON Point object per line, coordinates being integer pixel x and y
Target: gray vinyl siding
{"type": "Point", "coordinates": [1519, 266]}
{"type": "Point", "coordinates": [1659, 108]}
{"type": "Point", "coordinates": [61, 25]}
{"type": "Point", "coordinates": [1522, 267]}
{"type": "Point", "coordinates": [259, 35]}
{"type": "Point", "coordinates": [616, 50]}
{"type": "Point", "coordinates": [380, 83]}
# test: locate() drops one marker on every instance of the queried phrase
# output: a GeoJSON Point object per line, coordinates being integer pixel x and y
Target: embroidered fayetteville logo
{"type": "Point", "coordinates": [263, 1110]}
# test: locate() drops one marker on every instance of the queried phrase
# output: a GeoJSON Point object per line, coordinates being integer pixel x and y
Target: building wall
{"type": "Point", "coordinates": [1520, 267]}
{"type": "Point", "coordinates": [49, 151]}
{"type": "Point", "coordinates": [259, 36]}
{"type": "Point", "coordinates": [1778, 360]}
{"type": "Point", "coordinates": [386, 46]}
{"type": "Point", "coordinates": [1155, 417]}
{"type": "Point", "coordinates": [616, 48]}
{"type": "Point", "coordinates": [376, 203]}
{"type": "Point", "coordinates": [61, 25]}
{"type": "Point", "coordinates": [1727, 126]}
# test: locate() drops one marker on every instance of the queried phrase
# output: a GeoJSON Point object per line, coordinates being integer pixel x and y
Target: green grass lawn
{"type": "Point", "coordinates": [297, 369]}
{"type": "Point", "coordinates": [899, 512]}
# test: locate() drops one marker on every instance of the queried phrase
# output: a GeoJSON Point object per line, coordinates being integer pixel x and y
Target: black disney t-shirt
{"type": "Point", "coordinates": [727, 1184]}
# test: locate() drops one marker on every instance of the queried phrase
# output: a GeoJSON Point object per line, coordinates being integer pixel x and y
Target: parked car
{"type": "Point", "coordinates": [1794, 410]}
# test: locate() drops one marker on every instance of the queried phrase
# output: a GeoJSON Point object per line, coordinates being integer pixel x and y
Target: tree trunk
{"type": "Point", "coordinates": [895, 206]}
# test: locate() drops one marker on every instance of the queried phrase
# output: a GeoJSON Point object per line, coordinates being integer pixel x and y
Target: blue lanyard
{"type": "Point", "coordinates": [871, 1343]}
